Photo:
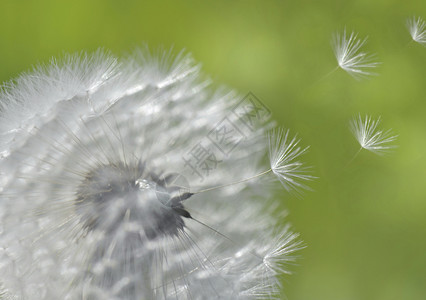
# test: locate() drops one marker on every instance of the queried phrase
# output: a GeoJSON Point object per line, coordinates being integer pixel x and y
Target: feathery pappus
{"type": "Point", "coordinates": [417, 29]}
{"type": "Point", "coordinates": [350, 57]}
{"type": "Point", "coordinates": [134, 179]}
{"type": "Point", "coordinates": [370, 137]}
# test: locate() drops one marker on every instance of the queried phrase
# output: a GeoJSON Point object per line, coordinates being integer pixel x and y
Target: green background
{"type": "Point", "coordinates": [365, 222]}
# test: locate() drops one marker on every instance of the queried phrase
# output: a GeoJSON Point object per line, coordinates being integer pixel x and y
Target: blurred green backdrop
{"type": "Point", "coordinates": [364, 223]}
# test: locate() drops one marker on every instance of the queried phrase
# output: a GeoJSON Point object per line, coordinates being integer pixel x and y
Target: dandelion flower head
{"type": "Point", "coordinates": [100, 161]}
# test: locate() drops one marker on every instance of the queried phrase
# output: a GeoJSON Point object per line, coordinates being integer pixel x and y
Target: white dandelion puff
{"type": "Point", "coordinates": [417, 29]}
{"type": "Point", "coordinates": [350, 57]}
{"type": "Point", "coordinates": [370, 137]}
{"type": "Point", "coordinates": [96, 184]}
{"type": "Point", "coordinates": [284, 153]}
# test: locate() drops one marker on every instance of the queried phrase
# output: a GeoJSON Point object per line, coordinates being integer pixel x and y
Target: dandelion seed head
{"type": "Point", "coordinates": [350, 57]}
{"type": "Point", "coordinates": [96, 198]}
{"type": "Point", "coordinates": [370, 137]}
{"type": "Point", "coordinates": [417, 29]}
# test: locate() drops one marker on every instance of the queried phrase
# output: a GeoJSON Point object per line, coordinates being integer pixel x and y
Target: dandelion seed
{"type": "Point", "coordinates": [283, 155]}
{"type": "Point", "coordinates": [91, 206]}
{"type": "Point", "coordinates": [369, 137]}
{"type": "Point", "coordinates": [417, 29]}
{"type": "Point", "coordinates": [350, 57]}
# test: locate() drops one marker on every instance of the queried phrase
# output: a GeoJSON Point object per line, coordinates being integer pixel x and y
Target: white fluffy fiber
{"type": "Point", "coordinates": [129, 119]}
